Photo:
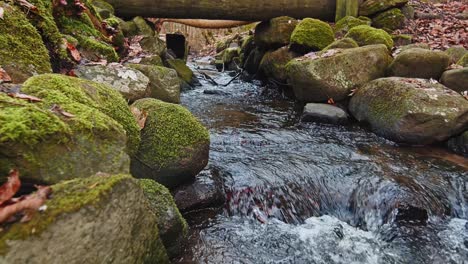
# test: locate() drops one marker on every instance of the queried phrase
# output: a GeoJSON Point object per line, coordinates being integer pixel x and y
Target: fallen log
{"type": "Point", "coordinates": [243, 10]}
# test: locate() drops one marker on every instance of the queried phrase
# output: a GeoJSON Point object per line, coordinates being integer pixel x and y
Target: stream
{"type": "Point", "coordinates": [319, 193]}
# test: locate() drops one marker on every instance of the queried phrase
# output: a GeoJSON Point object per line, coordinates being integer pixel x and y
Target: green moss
{"type": "Point", "coordinates": [229, 54]}
{"type": "Point", "coordinates": [456, 53]}
{"type": "Point", "coordinates": [348, 22]}
{"type": "Point", "coordinates": [391, 19]}
{"type": "Point", "coordinates": [311, 34]}
{"type": "Point", "coordinates": [371, 7]}
{"type": "Point", "coordinates": [104, 9]}
{"type": "Point", "coordinates": [402, 39]}
{"type": "Point", "coordinates": [463, 61]}
{"type": "Point", "coordinates": [91, 102]}
{"type": "Point", "coordinates": [366, 35]}
{"type": "Point", "coordinates": [22, 51]}
{"type": "Point", "coordinates": [169, 131]}
{"type": "Point", "coordinates": [102, 49]}
{"type": "Point", "coordinates": [68, 197]}
{"type": "Point", "coordinates": [183, 71]}
{"type": "Point", "coordinates": [345, 43]}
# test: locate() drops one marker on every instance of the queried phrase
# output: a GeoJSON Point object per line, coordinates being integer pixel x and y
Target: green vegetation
{"type": "Point", "coordinates": [311, 35]}
{"type": "Point", "coordinates": [366, 35]}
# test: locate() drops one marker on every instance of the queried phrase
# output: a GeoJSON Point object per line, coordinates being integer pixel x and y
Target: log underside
{"type": "Point", "coordinates": [241, 10]}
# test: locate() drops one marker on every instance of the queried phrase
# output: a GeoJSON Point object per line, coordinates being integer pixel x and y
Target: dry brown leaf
{"type": "Point", "coordinates": [4, 77]}
{"type": "Point", "coordinates": [57, 109]}
{"type": "Point", "coordinates": [21, 96]}
{"type": "Point", "coordinates": [28, 205]}
{"type": "Point", "coordinates": [2, 11]}
{"type": "Point", "coordinates": [140, 116]}
{"type": "Point", "coordinates": [8, 189]}
{"type": "Point", "coordinates": [73, 52]}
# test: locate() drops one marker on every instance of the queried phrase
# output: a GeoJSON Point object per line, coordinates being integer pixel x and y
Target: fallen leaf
{"type": "Point", "coordinates": [74, 52]}
{"type": "Point", "coordinates": [57, 109]}
{"type": "Point", "coordinates": [27, 206]}
{"type": "Point", "coordinates": [4, 77]}
{"type": "Point", "coordinates": [21, 96]}
{"type": "Point", "coordinates": [331, 101]}
{"type": "Point", "coordinates": [8, 189]}
{"type": "Point", "coordinates": [140, 116]}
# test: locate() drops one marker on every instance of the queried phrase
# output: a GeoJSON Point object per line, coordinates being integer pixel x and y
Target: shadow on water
{"type": "Point", "coordinates": [316, 193]}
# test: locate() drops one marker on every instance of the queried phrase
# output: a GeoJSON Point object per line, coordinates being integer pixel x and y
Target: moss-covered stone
{"type": "Point", "coordinates": [104, 9]}
{"type": "Point", "coordinates": [52, 87]}
{"type": "Point", "coordinates": [311, 35]}
{"type": "Point", "coordinates": [164, 82]}
{"type": "Point", "coordinates": [183, 71]}
{"type": "Point", "coordinates": [344, 43]}
{"type": "Point", "coordinates": [275, 33]}
{"type": "Point", "coordinates": [419, 63]}
{"type": "Point", "coordinates": [456, 53]}
{"type": "Point", "coordinates": [402, 39]}
{"type": "Point", "coordinates": [463, 61]}
{"type": "Point", "coordinates": [391, 19]}
{"type": "Point", "coordinates": [172, 226]}
{"type": "Point", "coordinates": [319, 79]}
{"type": "Point", "coordinates": [142, 27]}
{"type": "Point", "coordinates": [348, 22]}
{"type": "Point", "coordinates": [366, 35]}
{"type": "Point", "coordinates": [415, 45]}
{"type": "Point", "coordinates": [88, 220]}
{"type": "Point", "coordinates": [456, 79]}
{"type": "Point", "coordinates": [229, 54]}
{"type": "Point", "coordinates": [152, 60]}
{"type": "Point", "coordinates": [248, 45]}
{"type": "Point", "coordinates": [174, 146]}
{"type": "Point", "coordinates": [371, 7]}
{"type": "Point", "coordinates": [273, 64]}
{"type": "Point", "coordinates": [153, 45]}
{"type": "Point", "coordinates": [22, 52]}
{"type": "Point", "coordinates": [414, 111]}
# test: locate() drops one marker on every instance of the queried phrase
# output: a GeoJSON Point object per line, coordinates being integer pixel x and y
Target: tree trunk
{"type": "Point", "coordinates": [244, 10]}
{"type": "Point", "coordinates": [211, 24]}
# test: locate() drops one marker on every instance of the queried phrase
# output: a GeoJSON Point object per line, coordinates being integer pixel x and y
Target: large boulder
{"type": "Point", "coordinates": [311, 35]}
{"type": "Point", "coordinates": [174, 145]}
{"type": "Point", "coordinates": [324, 113]}
{"type": "Point", "coordinates": [78, 129]}
{"type": "Point", "coordinates": [343, 25]}
{"type": "Point", "coordinates": [371, 7]}
{"type": "Point", "coordinates": [456, 79]}
{"type": "Point", "coordinates": [419, 63]}
{"type": "Point", "coordinates": [390, 20]}
{"type": "Point", "coordinates": [98, 219]}
{"type": "Point", "coordinates": [273, 64]}
{"type": "Point", "coordinates": [274, 33]}
{"type": "Point", "coordinates": [164, 83]}
{"type": "Point", "coordinates": [366, 35]}
{"type": "Point", "coordinates": [22, 52]}
{"type": "Point", "coordinates": [414, 111]}
{"type": "Point", "coordinates": [131, 83]}
{"type": "Point", "coordinates": [459, 144]}
{"type": "Point", "coordinates": [172, 227]}
{"type": "Point", "coordinates": [317, 79]}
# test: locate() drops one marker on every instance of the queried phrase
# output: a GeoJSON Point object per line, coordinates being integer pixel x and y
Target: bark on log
{"type": "Point", "coordinates": [209, 24]}
{"type": "Point", "coordinates": [244, 10]}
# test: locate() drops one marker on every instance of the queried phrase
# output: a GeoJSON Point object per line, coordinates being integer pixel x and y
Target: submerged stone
{"type": "Point", "coordinates": [324, 113]}
{"type": "Point", "coordinates": [414, 111]}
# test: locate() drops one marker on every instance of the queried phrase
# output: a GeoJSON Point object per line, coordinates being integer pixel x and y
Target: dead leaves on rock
{"type": "Point", "coordinates": [4, 77]}
{"type": "Point", "coordinates": [26, 97]}
{"type": "Point", "coordinates": [58, 110]}
{"type": "Point", "coordinates": [21, 208]}
{"type": "Point", "coordinates": [73, 52]}
{"type": "Point", "coordinates": [140, 116]}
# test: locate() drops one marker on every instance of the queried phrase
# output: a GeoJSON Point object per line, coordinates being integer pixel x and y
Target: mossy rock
{"type": "Point", "coordinates": [152, 60]}
{"type": "Point", "coordinates": [252, 63]}
{"type": "Point", "coordinates": [97, 219]}
{"type": "Point", "coordinates": [131, 83]}
{"type": "Point", "coordinates": [419, 63]}
{"type": "Point", "coordinates": [172, 226]}
{"type": "Point", "coordinates": [229, 54]}
{"type": "Point", "coordinates": [413, 111]}
{"type": "Point", "coordinates": [248, 45]}
{"type": "Point", "coordinates": [402, 39]}
{"type": "Point", "coordinates": [273, 64]}
{"type": "Point", "coordinates": [456, 53]}
{"type": "Point", "coordinates": [456, 79]}
{"type": "Point", "coordinates": [22, 52]}
{"type": "Point", "coordinates": [391, 19]}
{"type": "Point", "coordinates": [142, 27]}
{"type": "Point", "coordinates": [459, 144]}
{"type": "Point", "coordinates": [311, 35]}
{"type": "Point", "coordinates": [415, 45]}
{"type": "Point", "coordinates": [463, 61]}
{"type": "Point", "coordinates": [153, 45]}
{"type": "Point", "coordinates": [164, 83]}
{"type": "Point", "coordinates": [348, 22]}
{"type": "Point", "coordinates": [344, 43]}
{"type": "Point", "coordinates": [183, 71]}
{"type": "Point", "coordinates": [104, 9]}
{"type": "Point", "coordinates": [408, 11]}
{"type": "Point", "coordinates": [371, 7]}
{"type": "Point", "coordinates": [174, 146]}
{"type": "Point", "coordinates": [47, 146]}
{"type": "Point", "coordinates": [319, 79]}
{"type": "Point", "coordinates": [366, 35]}
{"type": "Point", "coordinates": [275, 33]}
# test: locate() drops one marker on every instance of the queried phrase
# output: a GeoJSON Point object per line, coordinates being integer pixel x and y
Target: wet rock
{"type": "Point", "coordinates": [344, 43]}
{"type": "Point", "coordinates": [174, 145]}
{"type": "Point", "coordinates": [131, 83]}
{"type": "Point", "coordinates": [319, 79]}
{"type": "Point", "coordinates": [183, 71]}
{"type": "Point", "coordinates": [408, 214]}
{"type": "Point", "coordinates": [390, 20]}
{"type": "Point", "coordinates": [204, 192]}
{"type": "Point", "coordinates": [456, 53]}
{"type": "Point", "coordinates": [252, 63]}
{"type": "Point", "coordinates": [164, 83]}
{"type": "Point", "coordinates": [459, 144]}
{"type": "Point", "coordinates": [366, 35]}
{"type": "Point", "coordinates": [348, 22]}
{"type": "Point", "coordinates": [22, 52]}
{"type": "Point", "coordinates": [456, 79]}
{"type": "Point", "coordinates": [80, 128]}
{"type": "Point", "coordinates": [248, 45]}
{"type": "Point", "coordinates": [215, 92]}
{"type": "Point", "coordinates": [324, 113]}
{"type": "Point", "coordinates": [413, 111]}
{"type": "Point", "coordinates": [172, 226]}
{"type": "Point", "coordinates": [311, 35]}
{"type": "Point", "coordinates": [273, 64]}
{"type": "Point", "coordinates": [92, 220]}
{"type": "Point", "coordinates": [275, 33]}
{"type": "Point", "coordinates": [419, 63]}
{"type": "Point", "coordinates": [371, 7]}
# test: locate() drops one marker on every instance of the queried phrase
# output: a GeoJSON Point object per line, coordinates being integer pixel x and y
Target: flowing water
{"type": "Point", "coordinates": [318, 193]}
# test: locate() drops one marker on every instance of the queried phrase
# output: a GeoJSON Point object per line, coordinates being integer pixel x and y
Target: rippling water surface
{"type": "Point", "coordinates": [317, 193]}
